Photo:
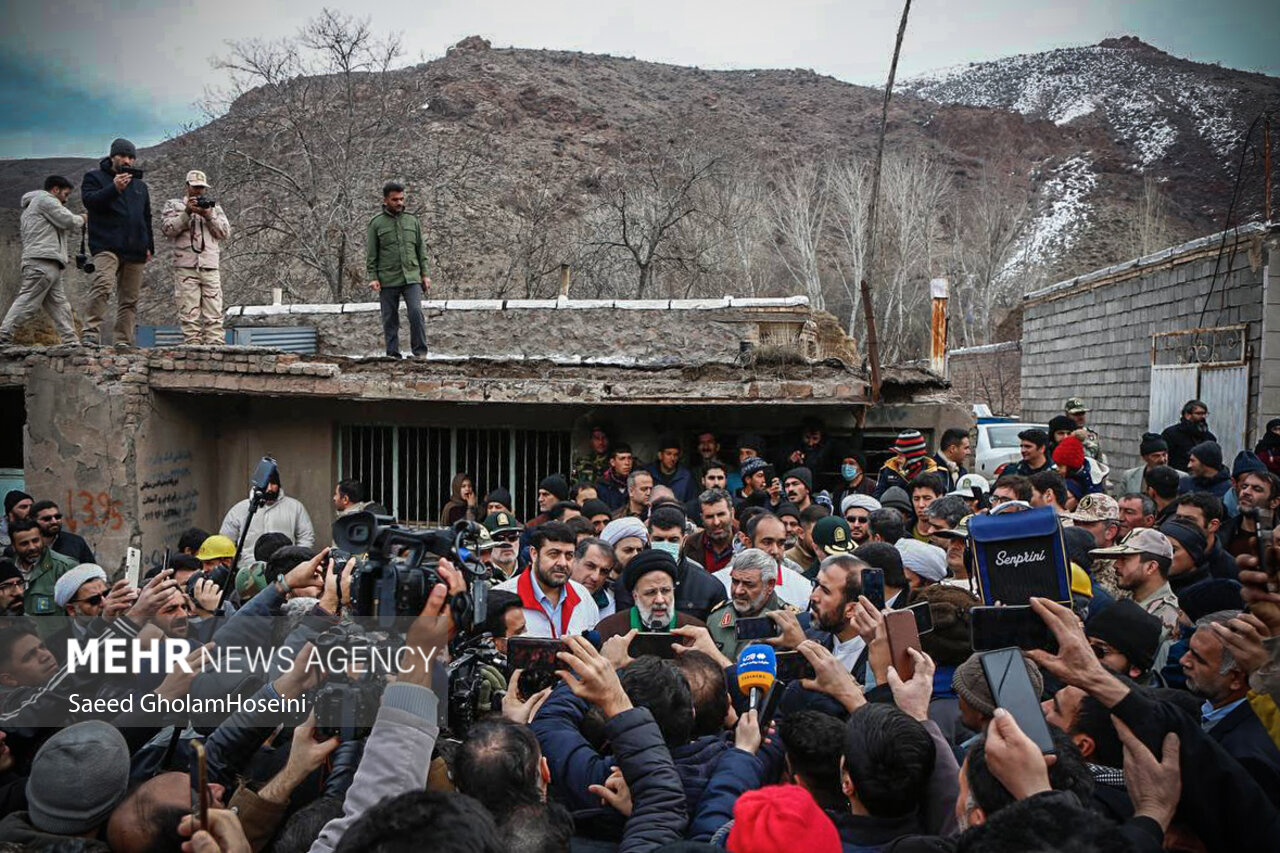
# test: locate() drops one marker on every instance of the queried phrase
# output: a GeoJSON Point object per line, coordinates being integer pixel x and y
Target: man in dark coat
{"type": "Point", "coordinates": [120, 239]}
{"type": "Point", "coordinates": [650, 578]}
{"type": "Point", "coordinates": [1192, 429]}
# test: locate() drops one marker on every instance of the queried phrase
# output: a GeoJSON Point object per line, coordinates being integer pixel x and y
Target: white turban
{"type": "Point", "coordinates": [621, 528]}
{"type": "Point", "coordinates": [69, 584]}
{"type": "Point", "coordinates": [928, 561]}
{"type": "Point", "coordinates": [861, 501]}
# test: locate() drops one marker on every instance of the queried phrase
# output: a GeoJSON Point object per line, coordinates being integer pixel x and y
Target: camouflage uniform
{"type": "Point", "coordinates": [1088, 437]}
{"type": "Point", "coordinates": [589, 469]}
{"type": "Point", "coordinates": [722, 619]}
{"type": "Point", "coordinates": [1099, 507]}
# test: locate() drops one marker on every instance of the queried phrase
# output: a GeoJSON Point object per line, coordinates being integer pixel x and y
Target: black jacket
{"type": "Point", "coordinates": [1242, 734]}
{"type": "Point", "coordinates": [1181, 437]}
{"type": "Point", "coordinates": [70, 545]}
{"type": "Point", "coordinates": [119, 223]}
{"type": "Point", "coordinates": [696, 591]}
{"type": "Point", "coordinates": [659, 811]}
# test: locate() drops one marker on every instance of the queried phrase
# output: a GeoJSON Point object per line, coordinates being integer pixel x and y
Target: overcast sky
{"type": "Point", "coordinates": [79, 72]}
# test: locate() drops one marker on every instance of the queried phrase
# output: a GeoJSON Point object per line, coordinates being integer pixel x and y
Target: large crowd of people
{"type": "Point", "coordinates": [1157, 676]}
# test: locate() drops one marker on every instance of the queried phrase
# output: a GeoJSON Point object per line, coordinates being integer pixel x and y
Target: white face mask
{"type": "Point", "coordinates": [672, 548]}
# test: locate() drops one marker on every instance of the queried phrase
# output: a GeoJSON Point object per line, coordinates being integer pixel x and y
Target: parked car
{"type": "Point", "coordinates": [996, 443]}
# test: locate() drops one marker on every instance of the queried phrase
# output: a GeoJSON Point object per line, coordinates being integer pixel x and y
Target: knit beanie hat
{"type": "Point", "coordinates": [647, 561]}
{"type": "Point", "coordinates": [621, 528]}
{"type": "Point", "coordinates": [788, 509]}
{"type": "Point", "coordinates": [78, 776]}
{"type": "Point", "coordinates": [13, 498]}
{"type": "Point", "coordinates": [1129, 629]}
{"type": "Point", "coordinates": [557, 485]}
{"type": "Point", "coordinates": [1209, 453]}
{"type": "Point", "coordinates": [910, 443]}
{"type": "Point", "coordinates": [897, 498]}
{"type": "Point", "coordinates": [752, 465]}
{"type": "Point", "coordinates": [802, 474]}
{"type": "Point", "coordinates": [763, 818]}
{"type": "Point", "coordinates": [1069, 453]}
{"type": "Point", "coordinates": [1152, 442]}
{"type": "Point", "coordinates": [1245, 462]}
{"type": "Point", "coordinates": [1209, 596]}
{"type": "Point", "coordinates": [122, 146]}
{"type": "Point", "coordinates": [9, 570]}
{"type": "Point", "coordinates": [970, 682]}
{"type": "Point", "coordinates": [499, 496]}
{"type": "Point", "coordinates": [1188, 536]}
{"type": "Point", "coordinates": [1057, 423]}
{"type": "Point", "coordinates": [751, 441]}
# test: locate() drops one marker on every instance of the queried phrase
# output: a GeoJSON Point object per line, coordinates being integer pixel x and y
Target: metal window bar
{"type": "Point", "coordinates": [409, 469]}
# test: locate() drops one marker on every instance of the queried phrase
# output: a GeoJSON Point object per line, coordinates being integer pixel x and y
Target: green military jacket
{"type": "Point", "coordinates": [38, 601]}
{"type": "Point", "coordinates": [722, 619]}
{"type": "Point", "coordinates": [589, 469]}
{"type": "Point", "coordinates": [394, 253]}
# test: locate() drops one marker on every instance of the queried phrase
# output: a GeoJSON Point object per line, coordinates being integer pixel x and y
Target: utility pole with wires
{"type": "Point", "coordinates": [873, 346]}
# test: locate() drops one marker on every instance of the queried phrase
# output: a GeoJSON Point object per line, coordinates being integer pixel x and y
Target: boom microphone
{"type": "Point", "coordinates": [757, 670]}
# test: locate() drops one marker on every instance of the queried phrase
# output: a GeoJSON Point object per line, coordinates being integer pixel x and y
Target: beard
{"type": "Point", "coordinates": [828, 623]}
{"type": "Point", "coordinates": [653, 618]}
{"type": "Point", "coordinates": [751, 606]}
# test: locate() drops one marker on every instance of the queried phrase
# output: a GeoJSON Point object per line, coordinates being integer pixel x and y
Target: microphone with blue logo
{"type": "Point", "coordinates": [757, 670]}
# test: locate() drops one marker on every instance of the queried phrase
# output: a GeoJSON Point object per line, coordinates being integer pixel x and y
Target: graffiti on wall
{"type": "Point", "coordinates": [167, 495]}
{"type": "Point", "coordinates": [90, 513]}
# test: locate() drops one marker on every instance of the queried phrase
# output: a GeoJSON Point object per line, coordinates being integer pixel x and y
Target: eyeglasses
{"type": "Point", "coordinates": [999, 499]}
{"type": "Point", "coordinates": [92, 601]}
{"type": "Point", "coordinates": [11, 583]}
{"type": "Point", "coordinates": [857, 519]}
{"type": "Point", "coordinates": [57, 517]}
{"type": "Point", "coordinates": [507, 538]}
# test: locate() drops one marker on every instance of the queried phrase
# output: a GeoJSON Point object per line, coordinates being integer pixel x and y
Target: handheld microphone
{"type": "Point", "coordinates": [757, 670]}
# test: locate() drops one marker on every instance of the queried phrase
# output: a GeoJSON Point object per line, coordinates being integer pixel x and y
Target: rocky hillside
{"type": "Point", "coordinates": [486, 129]}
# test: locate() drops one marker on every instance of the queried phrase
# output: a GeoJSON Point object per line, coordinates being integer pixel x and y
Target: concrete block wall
{"type": "Point", "coordinates": [988, 374]}
{"type": "Point", "coordinates": [1091, 337]}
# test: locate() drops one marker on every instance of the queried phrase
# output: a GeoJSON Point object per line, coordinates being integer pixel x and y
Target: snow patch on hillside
{"type": "Point", "coordinates": [1064, 214]}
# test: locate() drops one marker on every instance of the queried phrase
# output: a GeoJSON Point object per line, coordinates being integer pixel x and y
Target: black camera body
{"type": "Point", "coordinates": [219, 575]}
{"type": "Point", "coordinates": [473, 690]}
{"type": "Point", "coordinates": [204, 202]}
{"type": "Point", "coordinates": [391, 583]}
{"type": "Point", "coordinates": [347, 705]}
{"type": "Point", "coordinates": [84, 263]}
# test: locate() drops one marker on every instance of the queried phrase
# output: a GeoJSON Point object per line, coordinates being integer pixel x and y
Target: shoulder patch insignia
{"type": "Point", "coordinates": [726, 620]}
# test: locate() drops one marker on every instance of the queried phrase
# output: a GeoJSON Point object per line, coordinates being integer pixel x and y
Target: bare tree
{"type": "Point", "coordinates": [642, 205]}
{"type": "Point", "coordinates": [798, 208]}
{"type": "Point", "coordinates": [851, 202]}
{"type": "Point", "coordinates": [1149, 226]}
{"type": "Point", "coordinates": [314, 134]}
{"type": "Point", "coordinates": [989, 221]}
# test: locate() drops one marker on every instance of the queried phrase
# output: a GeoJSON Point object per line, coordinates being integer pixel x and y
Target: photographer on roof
{"type": "Point", "coordinates": [120, 239]}
{"type": "Point", "coordinates": [196, 226]}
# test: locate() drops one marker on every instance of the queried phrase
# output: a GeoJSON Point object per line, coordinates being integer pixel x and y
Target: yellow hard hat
{"type": "Point", "coordinates": [1080, 582]}
{"type": "Point", "coordinates": [215, 548]}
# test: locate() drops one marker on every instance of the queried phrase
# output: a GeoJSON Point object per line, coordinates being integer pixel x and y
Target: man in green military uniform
{"type": "Point", "coordinates": [396, 261]}
{"type": "Point", "coordinates": [753, 577]}
{"type": "Point", "coordinates": [41, 567]}
{"type": "Point", "coordinates": [588, 469]}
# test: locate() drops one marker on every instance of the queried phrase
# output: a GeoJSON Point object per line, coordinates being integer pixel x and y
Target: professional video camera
{"type": "Point", "coordinates": [392, 582]}
{"type": "Point", "coordinates": [347, 704]}
{"type": "Point", "coordinates": [477, 684]}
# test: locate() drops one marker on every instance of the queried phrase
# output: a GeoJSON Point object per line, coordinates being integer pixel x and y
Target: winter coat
{"type": "Point", "coordinates": [659, 810]}
{"type": "Point", "coordinates": [18, 829]}
{"type": "Point", "coordinates": [394, 252]}
{"type": "Point", "coordinates": [1080, 481]}
{"type": "Point", "coordinates": [612, 490]}
{"type": "Point", "coordinates": [697, 592]}
{"type": "Point", "coordinates": [457, 507]}
{"type": "Point", "coordinates": [1217, 485]}
{"type": "Point", "coordinates": [575, 764]}
{"type": "Point", "coordinates": [892, 474]}
{"type": "Point", "coordinates": [119, 223]}
{"type": "Point", "coordinates": [1181, 437]}
{"type": "Point", "coordinates": [196, 241]}
{"type": "Point", "coordinates": [681, 481]}
{"type": "Point", "coordinates": [46, 224]}
{"type": "Point", "coordinates": [736, 773]}
{"type": "Point", "coordinates": [285, 515]}
{"type": "Point", "coordinates": [1242, 735]}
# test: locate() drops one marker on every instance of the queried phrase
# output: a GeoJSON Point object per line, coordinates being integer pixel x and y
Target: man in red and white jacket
{"type": "Point", "coordinates": [554, 605]}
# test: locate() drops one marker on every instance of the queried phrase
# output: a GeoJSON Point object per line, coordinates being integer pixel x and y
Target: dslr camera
{"type": "Point", "coordinates": [84, 263]}
{"type": "Point", "coordinates": [391, 583]}
{"type": "Point", "coordinates": [204, 202]}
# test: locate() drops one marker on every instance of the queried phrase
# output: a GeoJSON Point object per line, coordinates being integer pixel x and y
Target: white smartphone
{"type": "Point", "coordinates": [133, 567]}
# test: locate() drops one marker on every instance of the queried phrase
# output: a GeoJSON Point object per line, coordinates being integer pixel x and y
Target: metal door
{"type": "Point", "coordinates": [1225, 390]}
{"type": "Point", "coordinates": [1172, 385]}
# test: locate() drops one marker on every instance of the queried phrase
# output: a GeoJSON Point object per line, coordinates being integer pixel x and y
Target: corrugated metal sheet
{"type": "Point", "coordinates": [1172, 385]}
{"type": "Point", "coordinates": [1225, 390]}
{"type": "Point", "coordinates": [297, 339]}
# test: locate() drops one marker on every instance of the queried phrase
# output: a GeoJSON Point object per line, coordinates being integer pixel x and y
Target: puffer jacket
{"type": "Point", "coordinates": [46, 225]}
{"type": "Point", "coordinates": [659, 812]}
{"type": "Point", "coordinates": [575, 764]}
{"type": "Point", "coordinates": [119, 222]}
{"type": "Point", "coordinates": [17, 828]}
{"type": "Point", "coordinates": [196, 241]}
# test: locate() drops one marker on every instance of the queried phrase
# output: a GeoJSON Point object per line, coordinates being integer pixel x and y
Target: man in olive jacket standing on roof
{"type": "Point", "coordinates": [396, 261]}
